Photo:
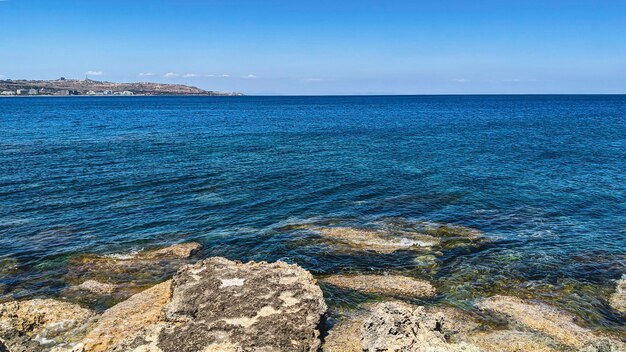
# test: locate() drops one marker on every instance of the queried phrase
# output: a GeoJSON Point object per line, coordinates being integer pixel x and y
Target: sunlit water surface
{"type": "Point", "coordinates": [544, 177]}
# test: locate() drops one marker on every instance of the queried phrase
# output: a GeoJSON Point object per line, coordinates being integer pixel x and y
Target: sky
{"type": "Point", "coordinates": [323, 47]}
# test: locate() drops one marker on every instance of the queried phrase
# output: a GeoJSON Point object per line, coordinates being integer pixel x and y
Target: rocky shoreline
{"type": "Point", "coordinates": [217, 304]}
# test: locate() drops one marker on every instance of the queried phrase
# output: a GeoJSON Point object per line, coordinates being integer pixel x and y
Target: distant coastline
{"type": "Point", "coordinates": [88, 87]}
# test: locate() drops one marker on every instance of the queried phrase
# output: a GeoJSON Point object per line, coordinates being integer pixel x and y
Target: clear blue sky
{"type": "Point", "coordinates": [323, 47]}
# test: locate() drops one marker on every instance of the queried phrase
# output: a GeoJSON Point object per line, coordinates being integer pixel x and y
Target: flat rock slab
{"type": "Point", "coordinates": [223, 305]}
{"type": "Point", "coordinates": [180, 251]}
{"type": "Point", "coordinates": [384, 284]}
{"type": "Point", "coordinates": [375, 240]}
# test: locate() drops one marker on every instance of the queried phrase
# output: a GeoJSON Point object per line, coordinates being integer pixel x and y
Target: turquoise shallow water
{"type": "Point", "coordinates": [544, 177]}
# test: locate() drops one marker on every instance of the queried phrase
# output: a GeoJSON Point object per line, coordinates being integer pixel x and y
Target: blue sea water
{"type": "Point", "coordinates": [544, 177]}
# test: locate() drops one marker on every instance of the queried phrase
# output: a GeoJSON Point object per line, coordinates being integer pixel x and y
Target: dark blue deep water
{"type": "Point", "coordinates": [544, 177]}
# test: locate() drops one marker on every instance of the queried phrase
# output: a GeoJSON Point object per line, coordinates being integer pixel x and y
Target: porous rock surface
{"type": "Point", "coordinates": [222, 305]}
{"type": "Point", "coordinates": [38, 324]}
{"type": "Point", "coordinates": [394, 326]}
{"type": "Point", "coordinates": [383, 284]}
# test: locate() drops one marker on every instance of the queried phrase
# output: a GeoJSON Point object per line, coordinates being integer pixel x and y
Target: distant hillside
{"type": "Point", "coordinates": [64, 86]}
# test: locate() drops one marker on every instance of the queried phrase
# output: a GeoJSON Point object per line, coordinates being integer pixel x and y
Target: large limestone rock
{"type": "Point", "coordinates": [394, 326]}
{"type": "Point", "coordinates": [384, 284]}
{"type": "Point", "coordinates": [39, 324]}
{"type": "Point", "coordinates": [222, 305]}
{"type": "Point", "coordinates": [125, 320]}
{"type": "Point", "coordinates": [550, 321]}
{"type": "Point", "coordinates": [618, 299]}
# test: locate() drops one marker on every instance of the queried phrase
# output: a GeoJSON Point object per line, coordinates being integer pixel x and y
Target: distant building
{"type": "Point", "coordinates": [62, 92]}
{"type": "Point", "coordinates": [126, 92]}
{"type": "Point", "coordinates": [32, 91]}
{"type": "Point", "coordinates": [91, 92]}
{"type": "Point", "coordinates": [7, 92]}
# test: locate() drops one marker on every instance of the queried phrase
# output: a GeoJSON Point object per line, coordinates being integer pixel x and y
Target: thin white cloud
{"type": "Point", "coordinates": [171, 75]}
{"type": "Point", "coordinates": [190, 75]}
{"type": "Point", "coordinates": [313, 79]}
{"type": "Point", "coordinates": [460, 80]}
{"type": "Point", "coordinates": [94, 73]}
{"type": "Point", "coordinates": [225, 76]}
{"type": "Point", "coordinates": [250, 76]}
{"type": "Point", "coordinates": [146, 74]}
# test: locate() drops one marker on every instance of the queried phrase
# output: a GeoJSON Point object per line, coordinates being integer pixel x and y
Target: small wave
{"type": "Point", "coordinates": [124, 256]}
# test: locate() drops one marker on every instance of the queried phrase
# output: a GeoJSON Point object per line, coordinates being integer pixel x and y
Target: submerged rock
{"type": "Point", "coordinates": [383, 284]}
{"type": "Point", "coordinates": [376, 240]}
{"type": "Point", "coordinates": [222, 305]}
{"type": "Point", "coordinates": [126, 274]}
{"type": "Point", "coordinates": [96, 287]}
{"type": "Point", "coordinates": [127, 319]}
{"type": "Point", "coordinates": [35, 324]}
{"type": "Point", "coordinates": [8, 266]}
{"type": "Point", "coordinates": [618, 299]}
{"type": "Point", "coordinates": [550, 321]}
{"type": "Point", "coordinates": [394, 326]}
{"type": "Point", "coordinates": [180, 251]}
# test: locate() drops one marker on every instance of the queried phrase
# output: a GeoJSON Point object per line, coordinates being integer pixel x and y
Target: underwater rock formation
{"type": "Point", "coordinates": [122, 275]}
{"type": "Point", "coordinates": [375, 240]}
{"type": "Point", "coordinates": [389, 235]}
{"type": "Point", "coordinates": [550, 321]}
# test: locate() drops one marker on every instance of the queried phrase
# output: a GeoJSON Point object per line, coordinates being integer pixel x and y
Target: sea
{"type": "Point", "coordinates": [542, 177]}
